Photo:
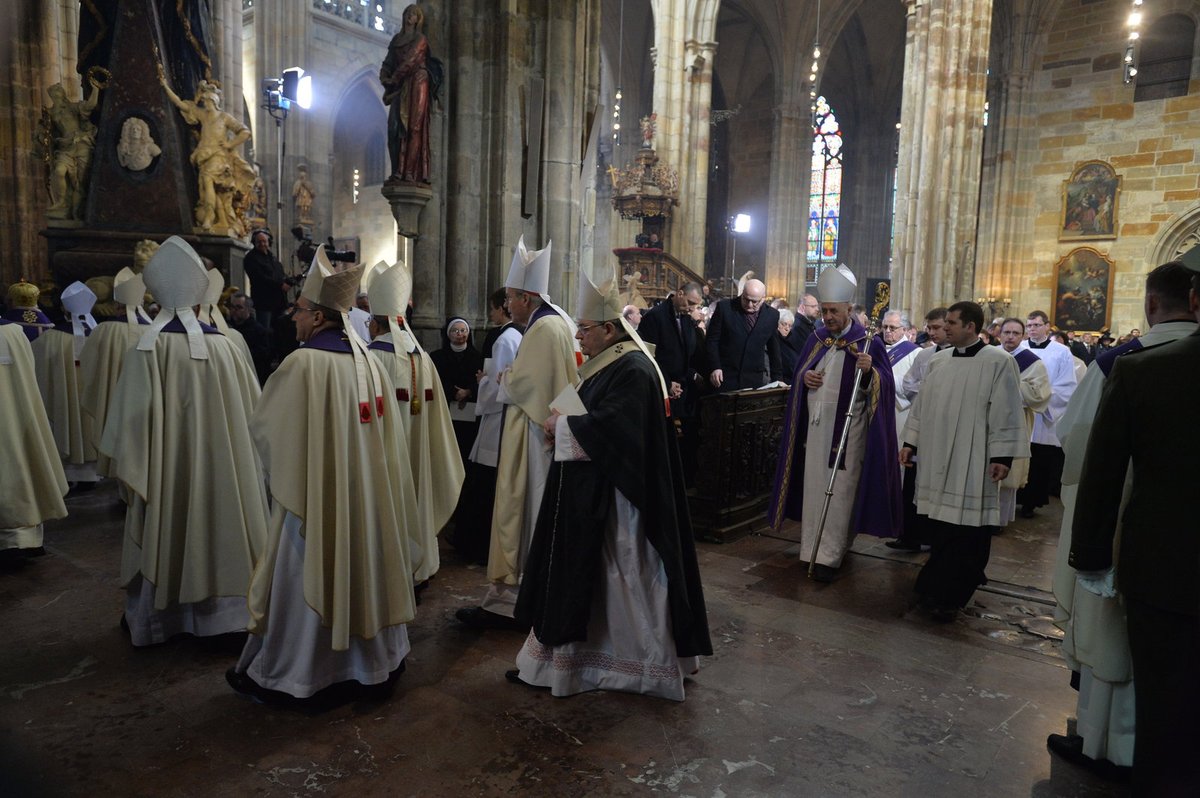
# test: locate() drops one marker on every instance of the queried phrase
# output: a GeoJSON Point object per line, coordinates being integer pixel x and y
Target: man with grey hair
{"type": "Point", "coordinates": [901, 354]}
{"type": "Point", "coordinates": [788, 351]}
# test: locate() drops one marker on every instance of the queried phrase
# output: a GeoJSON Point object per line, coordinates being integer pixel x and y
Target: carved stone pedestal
{"type": "Point", "coordinates": [407, 201]}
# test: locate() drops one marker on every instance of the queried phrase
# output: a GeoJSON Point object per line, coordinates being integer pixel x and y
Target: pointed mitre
{"type": "Point", "coordinates": [368, 276]}
{"type": "Point", "coordinates": [128, 287]}
{"type": "Point", "coordinates": [837, 285]}
{"type": "Point", "coordinates": [177, 278]}
{"type": "Point", "coordinates": [175, 275]}
{"type": "Point", "coordinates": [597, 303]}
{"type": "Point", "coordinates": [530, 271]}
{"type": "Point", "coordinates": [130, 290]}
{"type": "Point", "coordinates": [208, 309]}
{"type": "Point", "coordinates": [389, 291]}
{"type": "Point", "coordinates": [78, 300]}
{"type": "Point", "coordinates": [334, 290]}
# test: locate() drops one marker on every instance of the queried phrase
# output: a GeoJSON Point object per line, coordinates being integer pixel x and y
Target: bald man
{"type": "Point", "coordinates": [743, 345]}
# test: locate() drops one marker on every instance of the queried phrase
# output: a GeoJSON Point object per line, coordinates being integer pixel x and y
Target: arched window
{"type": "Point", "coordinates": [1165, 61]}
{"type": "Point", "coordinates": [825, 192]}
{"type": "Point", "coordinates": [375, 170]}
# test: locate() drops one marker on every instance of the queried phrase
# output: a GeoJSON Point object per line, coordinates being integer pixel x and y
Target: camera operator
{"type": "Point", "coordinates": [265, 273]}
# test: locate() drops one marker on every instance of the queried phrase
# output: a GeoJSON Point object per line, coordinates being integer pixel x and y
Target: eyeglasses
{"type": "Point", "coordinates": [585, 327]}
{"type": "Point", "coordinates": [891, 327]}
{"type": "Point", "coordinates": [297, 309]}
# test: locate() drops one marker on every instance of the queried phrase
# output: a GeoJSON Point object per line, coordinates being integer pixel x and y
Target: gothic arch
{"type": "Point", "coordinates": [1175, 237]}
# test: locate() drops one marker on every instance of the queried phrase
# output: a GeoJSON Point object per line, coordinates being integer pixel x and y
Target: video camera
{"type": "Point", "coordinates": [307, 250]}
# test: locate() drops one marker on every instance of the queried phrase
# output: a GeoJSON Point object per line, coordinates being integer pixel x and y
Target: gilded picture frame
{"type": "Point", "coordinates": [1089, 203]}
{"type": "Point", "coordinates": [1083, 289]}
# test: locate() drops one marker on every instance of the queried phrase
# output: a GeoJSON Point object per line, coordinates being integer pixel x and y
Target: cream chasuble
{"type": "Point", "coordinates": [99, 367]}
{"type": "Point", "coordinates": [1035, 398]}
{"type": "Point", "coordinates": [974, 414]}
{"type": "Point", "coordinates": [176, 433]}
{"type": "Point", "coordinates": [345, 479]}
{"type": "Point", "coordinates": [58, 379]}
{"type": "Point", "coordinates": [544, 365]}
{"type": "Point", "coordinates": [32, 483]}
{"type": "Point", "coordinates": [436, 466]}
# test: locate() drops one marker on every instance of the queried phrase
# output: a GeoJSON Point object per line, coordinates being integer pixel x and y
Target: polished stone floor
{"type": "Point", "coordinates": [813, 690]}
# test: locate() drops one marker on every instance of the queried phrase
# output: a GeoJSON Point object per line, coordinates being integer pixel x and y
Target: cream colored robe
{"type": "Point", "coordinates": [177, 434]}
{"type": "Point", "coordinates": [32, 482]}
{"type": "Point", "coordinates": [347, 482]}
{"type": "Point", "coordinates": [967, 412]}
{"type": "Point", "coordinates": [544, 365]}
{"type": "Point", "coordinates": [99, 367]}
{"type": "Point", "coordinates": [58, 379]}
{"type": "Point", "coordinates": [1035, 398]}
{"type": "Point", "coordinates": [432, 455]}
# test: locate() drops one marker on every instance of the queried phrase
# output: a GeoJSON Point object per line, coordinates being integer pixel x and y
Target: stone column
{"type": "Point", "coordinates": [787, 206]}
{"type": "Point", "coordinates": [946, 58]}
{"type": "Point", "coordinates": [683, 67]}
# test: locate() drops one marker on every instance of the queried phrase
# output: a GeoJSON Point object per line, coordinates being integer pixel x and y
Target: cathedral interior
{"type": "Point", "coordinates": [1004, 151]}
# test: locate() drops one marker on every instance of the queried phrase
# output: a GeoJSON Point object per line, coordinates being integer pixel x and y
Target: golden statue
{"type": "Point", "coordinates": [143, 251]}
{"type": "Point", "coordinates": [304, 192]}
{"type": "Point", "coordinates": [225, 178]}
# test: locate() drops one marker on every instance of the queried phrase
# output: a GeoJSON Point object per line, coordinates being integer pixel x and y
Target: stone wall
{"type": "Point", "coordinates": [750, 178]}
{"type": "Point", "coordinates": [1081, 110]}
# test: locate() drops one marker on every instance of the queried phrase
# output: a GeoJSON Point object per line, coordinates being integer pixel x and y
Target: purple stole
{"type": "Point", "coordinates": [1025, 359]}
{"type": "Point", "coordinates": [878, 509]}
{"type": "Point", "coordinates": [327, 341]}
{"type": "Point", "coordinates": [176, 326]}
{"type": "Point", "coordinates": [1106, 360]}
{"type": "Point", "coordinates": [900, 351]}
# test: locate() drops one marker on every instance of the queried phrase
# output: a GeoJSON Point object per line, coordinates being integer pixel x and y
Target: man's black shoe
{"type": "Point", "coordinates": [514, 676]}
{"type": "Point", "coordinates": [900, 544]}
{"type": "Point", "coordinates": [943, 614]}
{"type": "Point", "coordinates": [1070, 748]}
{"type": "Point", "coordinates": [479, 618]}
{"type": "Point", "coordinates": [823, 573]}
{"type": "Point", "coordinates": [1027, 512]}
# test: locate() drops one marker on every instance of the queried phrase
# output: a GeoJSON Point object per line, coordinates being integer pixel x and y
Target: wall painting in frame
{"type": "Point", "coordinates": [1083, 282]}
{"type": "Point", "coordinates": [1089, 203]}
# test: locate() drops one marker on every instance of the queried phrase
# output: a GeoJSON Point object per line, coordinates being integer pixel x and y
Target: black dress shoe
{"type": "Point", "coordinates": [514, 676]}
{"type": "Point", "coordinates": [1027, 512]}
{"type": "Point", "coordinates": [900, 544]}
{"type": "Point", "coordinates": [824, 573]}
{"type": "Point", "coordinates": [1070, 748]}
{"type": "Point", "coordinates": [942, 613]}
{"type": "Point", "coordinates": [479, 618]}
{"type": "Point", "coordinates": [244, 685]}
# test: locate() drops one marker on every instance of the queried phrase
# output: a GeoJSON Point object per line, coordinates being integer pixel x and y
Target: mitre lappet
{"type": "Point", "coordinates": [78, 301]}
{"type": "Point", "coordinates": [178, 280]}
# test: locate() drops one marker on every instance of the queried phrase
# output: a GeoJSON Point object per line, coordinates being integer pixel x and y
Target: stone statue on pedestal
{"type": "Point", "coordinates": [303, 194]}
{"type": "Point", "coordinates": [67, 137]}
{"type": "Point", "coordinates": [224, 177]}
{"type": "Point", "coordinates": [411, 78]}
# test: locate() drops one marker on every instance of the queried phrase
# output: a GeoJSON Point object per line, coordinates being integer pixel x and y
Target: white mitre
{"type": "Point", "coordinates": [209, 312]}
{"type": "Point", "coordinates": [604, 304]}
{"type": "Point", "coordinates": [178, 280]}
{"type": "Point", "coordinates": [837, 284]}
{"type": "Point", "coordinates": [130, 290]}
{"type": "Point", "coordinates": [530, 271]}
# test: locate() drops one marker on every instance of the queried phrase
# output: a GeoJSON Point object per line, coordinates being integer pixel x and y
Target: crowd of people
{"type": "Point", "coordinates": [560, 456]}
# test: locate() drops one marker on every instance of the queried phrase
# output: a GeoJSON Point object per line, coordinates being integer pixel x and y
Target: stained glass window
{"type": "Point", "coordinates": [825, 191]}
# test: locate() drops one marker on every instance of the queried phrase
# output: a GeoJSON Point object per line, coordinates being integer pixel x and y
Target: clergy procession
{"type": "Point", "coordinates": [304, 515]}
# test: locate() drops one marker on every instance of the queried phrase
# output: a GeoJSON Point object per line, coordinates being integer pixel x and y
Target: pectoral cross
{"type": "Point", "coordinates": [612, 175]}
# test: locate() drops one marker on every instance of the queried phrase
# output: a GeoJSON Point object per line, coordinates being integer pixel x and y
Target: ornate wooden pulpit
{"type": "Point", "coordinates": [739, 446]}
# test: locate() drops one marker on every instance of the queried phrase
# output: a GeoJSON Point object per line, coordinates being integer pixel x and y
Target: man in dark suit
{"type": "Point", "coordinates": [743, 341]}
{"type": "Point", "coordinates": [669, 326]}
{"type": "Point", "coordinates": [808, 310]}
{"type": "Point", "coordinates": [1144, 424]}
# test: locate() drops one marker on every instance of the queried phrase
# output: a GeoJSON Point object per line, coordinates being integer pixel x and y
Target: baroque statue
{"type": "Point", "coordinates": [67, 137]}
{"type": "Point", "coordinates": [303, 194]}
{"type": "Point", "coordinates": [411, 78]}
{"type": "Point", "coordinates": [225, 178]}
